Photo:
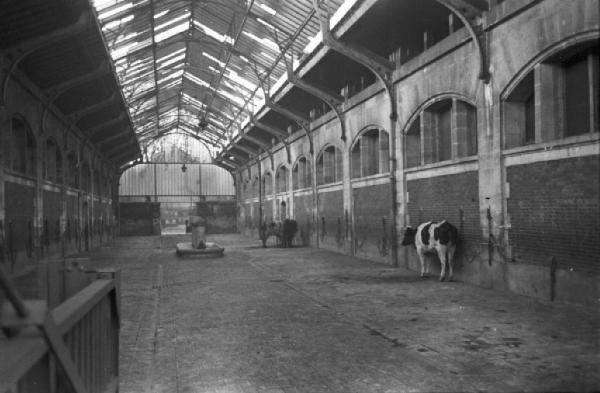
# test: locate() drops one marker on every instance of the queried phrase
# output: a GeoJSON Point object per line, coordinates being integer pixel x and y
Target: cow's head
{"type": "Point", "coordinates": [409, 236]}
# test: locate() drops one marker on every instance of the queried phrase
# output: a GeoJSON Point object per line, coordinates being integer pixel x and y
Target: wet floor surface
{"type": "Point", "coordinates": [309, 320]}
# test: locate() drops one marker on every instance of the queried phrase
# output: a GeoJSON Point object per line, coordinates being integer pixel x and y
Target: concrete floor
{"type": "Point", "coordinates": [309, 320]}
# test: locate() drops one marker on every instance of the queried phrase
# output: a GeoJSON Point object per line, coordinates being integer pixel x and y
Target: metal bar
{"type": "Point", "coordinates": [9, 288]}
{"type": "Point", "coordinates": [153, 33]}
{"type": "Point", "coordinates": [270, 129]}
{"type": "Point", "coordinates": [235, 40]}
{"type": "Point", "coordinates": [100, 127]}
{"type": "Point", "coordinates": [60, 88]}
{"type": "Point", "coordinates": [92, 108]}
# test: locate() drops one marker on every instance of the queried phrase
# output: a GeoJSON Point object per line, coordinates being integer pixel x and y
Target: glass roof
{"type": "Point", "coordinates": [196, 68]}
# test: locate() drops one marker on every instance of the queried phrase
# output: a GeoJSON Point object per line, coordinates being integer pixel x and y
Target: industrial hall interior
{"type": "Point", "coordinates": [320, 196]}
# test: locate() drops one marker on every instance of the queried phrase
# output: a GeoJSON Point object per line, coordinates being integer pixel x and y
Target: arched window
{"type": "Point", "coordinates": [329, 166]}
{"type": "Point", "coordinates": [370, 154]}
{"type": "Point", "coordinates": [108, 188]}
{"type": "Point", "coordinates": [72, 170]}
{"type": "Point", "coordinates": [253, 193]}
{"type": "Point", "coordinates": [554, 100]}
{"type": "Point", "coordinates": [281, 179]}
{"type": "Point", "coordinates": [23, 153]}
{"type": "Point", "coordinates": [53, 166]}
{"type": "Point", "coordinates": [85, 177]}
{"type": "Point", "coordinates": [302, 175]}
{"type": "Point", "coordinates": [445, 130]}
{"type": "Point", "coordinates": [97, 183]}
{"type": "Point", "coordinates": [267, 184]}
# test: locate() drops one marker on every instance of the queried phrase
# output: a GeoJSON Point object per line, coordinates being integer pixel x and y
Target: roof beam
{"type": "Point", "coordinates": [92, 132]}
{"type": "Point", "coordinates": [468, 15]}
{"type": "Point", "coordinates": [290, 114]}
{"type": "Point", "coordinates": [153, 32]}
{"type": "Point", "coordinates": [238, 156]}
{"type": "Point", "coordinates": [249, 151]}
{"type": "Point", "coordinates": [276, 132]}
{"type": "Point", "coordinates": [120, 135]}
{"type": "Point", "coordinates": [380, 66]}
{"type": "Point", "coordinates": [74, 116]}
{"type": "Point", "coordinates": [116, 149]}
{"type": "Point", "coordinates": [54, 36]}
{"type": "Point", "coordinates": [333, 100]}
{"type": "Point", "coordinates": [230, 52]}
{"type": "Point", "coordinates": [257, 141]}
{"type": "Point", "coordinates": [61, 88]}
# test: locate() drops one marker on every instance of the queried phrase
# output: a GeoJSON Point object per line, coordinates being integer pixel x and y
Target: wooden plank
{"type": "Point", "coordinates": [25, 351]}
{"type": "Point", "coordinates": [62, 354]}
{"type": "Point", "coordinates": [75, 308]}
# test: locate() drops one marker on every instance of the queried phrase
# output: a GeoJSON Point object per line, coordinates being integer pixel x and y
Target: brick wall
{"type": "Point", "coordinates": [454, 198]}
{"type": "Point", "coordinates": [331, 210]}
{"type": "Point", "coordinates": [553, 209]}
{"type": "Point", "coordinates": [372, 220]}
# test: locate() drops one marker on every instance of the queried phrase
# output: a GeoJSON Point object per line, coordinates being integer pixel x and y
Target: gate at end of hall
{"type": "Point", "coordinates": [158, 198]}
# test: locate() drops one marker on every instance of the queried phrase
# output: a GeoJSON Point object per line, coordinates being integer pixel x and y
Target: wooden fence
{"type": "Point", "coordinates": [67, 342]}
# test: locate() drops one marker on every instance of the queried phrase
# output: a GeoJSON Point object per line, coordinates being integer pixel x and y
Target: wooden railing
{"type": "Point", "coordinates": [73, 347]}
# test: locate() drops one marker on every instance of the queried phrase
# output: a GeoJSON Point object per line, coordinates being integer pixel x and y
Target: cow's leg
{"type": "Point", "coordinates": [423, 260]}
{"type": "Point", "coordinates": [451, 261]}
{"type": "Point", "coordinates": [442, 255]}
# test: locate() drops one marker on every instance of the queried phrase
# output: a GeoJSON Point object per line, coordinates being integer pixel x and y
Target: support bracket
{"type": "Point", "coordinates": [24, 49]}
{"type": "Point", "coordinates": [470, 16]}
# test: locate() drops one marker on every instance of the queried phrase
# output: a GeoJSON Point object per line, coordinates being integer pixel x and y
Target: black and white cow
{"type": "Point", "coordinates": [429, 236]}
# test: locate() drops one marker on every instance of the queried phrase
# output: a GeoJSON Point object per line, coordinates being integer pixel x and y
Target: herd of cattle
{"type": "Point", "coordinates": [437, 237]}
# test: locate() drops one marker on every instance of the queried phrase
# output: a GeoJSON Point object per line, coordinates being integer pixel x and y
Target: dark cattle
{"type": "Point", "coordinates": [440, 237]}
{"type": "Point", "coordinates": [289, 229]}
{"type": "Point", "coordinates": [284, 232]}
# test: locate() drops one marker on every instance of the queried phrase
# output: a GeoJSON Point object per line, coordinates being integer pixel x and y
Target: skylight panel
{"type": "Point", "coordinates": [123, 50]}
{"type": "Point", "coordinates": [178, 51]}
{"type": "Point", "coordinates": [160, 14]}
{"type": "Point", "coordinates": [211, 57]}
{"type": "Point", "coordinates": [171, 32]}
{"type": "Point", "coordinates": [267, 9]}
{"type": "Point", "coordinates": [172, 21]}
{"type": "Point", "coordinates": [114, 11]}
{"type": "Point", "coordinates": [231, 97]}
{"type": "Point", "coordinates": [192, 100]}
{"type": "Point", "coordinates": [196, 80]}
{"type": "Point", "coordinates": [214, 34]}
{"type": "Point", "coordinates": [335, 19]}
{"type": "Point", "coordinates": [175, 74]}
{"type": "Point", "coordinates": [171, 84]}
{"type": "Point", "coordinates": [264, 41]}
{"type": "Point", "coordinates": [234, 76]}
{"type": "Point", "coordinates": [171, 61]}
{"type": "Point", "coordinates": [118, 22]}
{"type": "Point", "coordinates": [265, 23]}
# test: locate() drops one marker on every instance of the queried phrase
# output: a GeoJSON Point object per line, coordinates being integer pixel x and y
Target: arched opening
{"type": "Point", "coordinates": [555, 99]}
{"type": "Point", "coordinates": [370, 154]}
{"type": "Point", "coordinates": [444, 130]}
{"type": "Point", "coordinates": [267, 184]}
{"type": "Point", "coordinates": [281, 179]}
{"type": "Point", "coordinates": [53, 162]}
{"type": "Point", "coordinates": [86, 177]}
{"type": "Point", "coordinates": [301, 174]}
{"type": "Point", "coordinates": [72, 170]}
{"type": "Point", "coordinates": [329, 166]}
{"type": "Point", "coordinates": [23, 149]}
